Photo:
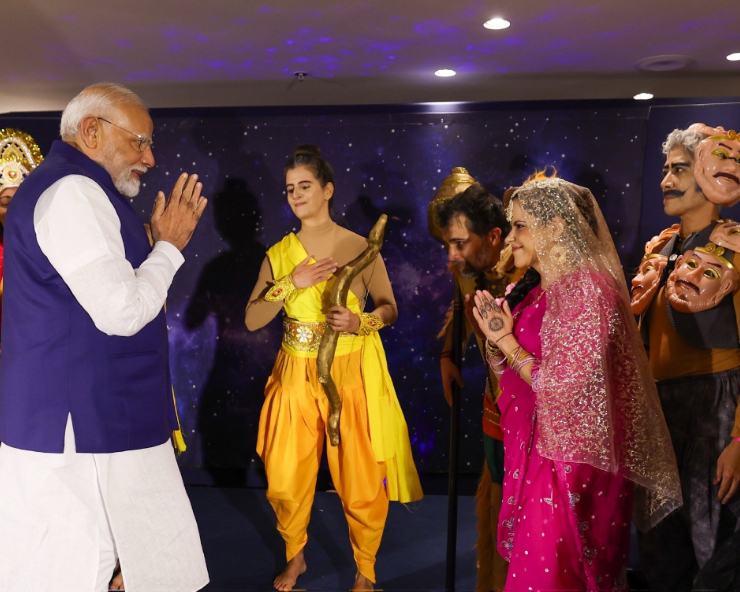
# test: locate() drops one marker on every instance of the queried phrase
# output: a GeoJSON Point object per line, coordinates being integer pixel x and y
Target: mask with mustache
{"type": "Point", "coordinates": [717, 166]}
{"type": "Point", "coordinates": [701, 279]}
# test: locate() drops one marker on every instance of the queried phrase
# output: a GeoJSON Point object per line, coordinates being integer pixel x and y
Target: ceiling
{"type": "Point", "coordinates": [188, 53]}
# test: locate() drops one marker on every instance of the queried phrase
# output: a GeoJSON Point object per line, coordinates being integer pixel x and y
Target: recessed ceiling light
{"type": "Point", "coordinates": [445, 73]}
{"type": "Point", "coordinates": [497, 24]}
{"type": "Point", "coordinates": [642, 97]}
{"type": "Point", "coordinates": [734, 57]}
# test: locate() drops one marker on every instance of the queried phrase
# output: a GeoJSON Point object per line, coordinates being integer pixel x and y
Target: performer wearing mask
{"type": "Point", "coordinates": [584, 437]}
{"type": "Point", "coordinates": [688, 300]}
{"type": "Point", "coordinates": [373, 462]}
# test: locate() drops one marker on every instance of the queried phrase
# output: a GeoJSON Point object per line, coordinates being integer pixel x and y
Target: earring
{"type": "Point", "coordinates": [558, 254]}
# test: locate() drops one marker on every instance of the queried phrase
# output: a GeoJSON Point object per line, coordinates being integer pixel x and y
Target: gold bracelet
{"type": "Point", "coordinates": [512, 356]}
{"type": "Point", "coordinates": [494, 353]}
{"type": "Point", "coordinates": [369, 323]}
{"type": "Point", "coordinates": [519, 354]}
{"type": "Point", "coordinates": [281, 290]}
{"type": "Point", "coordinates": [492, 350]}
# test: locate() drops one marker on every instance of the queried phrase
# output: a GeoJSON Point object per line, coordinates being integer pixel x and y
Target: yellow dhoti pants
{"type": "Point", "coordinates": [290, 442]}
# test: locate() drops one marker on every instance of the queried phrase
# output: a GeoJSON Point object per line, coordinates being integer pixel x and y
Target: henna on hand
{"type": "Point", "coordinates": [496, 324]}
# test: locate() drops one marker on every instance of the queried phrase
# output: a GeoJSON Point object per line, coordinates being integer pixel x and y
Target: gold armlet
{"type": "Point", "coordinates": [281, 290]}
{"type": "Point", "coordinates": [369, 323]}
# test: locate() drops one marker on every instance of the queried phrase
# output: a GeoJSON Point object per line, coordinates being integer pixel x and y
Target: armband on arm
{"type": "Point", "coordinates": [281, 290]}
{"type": "Point", "coordinates": [369, 323]}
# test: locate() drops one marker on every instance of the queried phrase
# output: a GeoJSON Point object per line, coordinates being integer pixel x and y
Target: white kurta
{"type": "Point", "coordinates": [63, 517]}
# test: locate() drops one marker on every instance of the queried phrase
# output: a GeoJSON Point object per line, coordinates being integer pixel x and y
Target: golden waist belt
{"type": "Point", "coordinates": [305, 336]}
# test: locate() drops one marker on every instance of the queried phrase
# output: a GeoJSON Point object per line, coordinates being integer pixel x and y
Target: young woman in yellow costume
{"type": "Point", "coordinates": [373, 462]}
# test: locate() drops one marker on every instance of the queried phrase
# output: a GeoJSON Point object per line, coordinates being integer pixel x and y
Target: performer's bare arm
{"type": "Point", "coordinates": [727, 474]}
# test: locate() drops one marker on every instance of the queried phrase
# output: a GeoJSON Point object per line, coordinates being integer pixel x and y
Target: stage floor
{"type": "Point", "coordinates": [244, 550]}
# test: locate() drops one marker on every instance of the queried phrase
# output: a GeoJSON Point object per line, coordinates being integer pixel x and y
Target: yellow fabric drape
{"type": "Point", "coordinates": [178, 441]}
{"type": "Point", "coordinates": [388, 429]}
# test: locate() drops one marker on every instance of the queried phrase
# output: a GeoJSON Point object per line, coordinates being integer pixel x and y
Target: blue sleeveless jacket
{"type": "Point", "coordinates": [54, 360]}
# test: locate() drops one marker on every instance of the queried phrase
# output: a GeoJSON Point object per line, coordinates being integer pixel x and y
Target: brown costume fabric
{"type": "Point", "coordinates": [492, 568]}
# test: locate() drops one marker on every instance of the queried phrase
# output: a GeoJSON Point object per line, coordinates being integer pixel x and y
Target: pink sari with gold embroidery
{"type": "Point", "coordinates": [563, 525]}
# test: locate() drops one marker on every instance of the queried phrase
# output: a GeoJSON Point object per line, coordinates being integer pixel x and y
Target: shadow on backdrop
{"type": "Point", "coordinates": [230, 404]}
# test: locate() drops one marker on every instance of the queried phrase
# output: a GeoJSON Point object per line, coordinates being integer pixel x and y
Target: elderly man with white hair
{"type": "Point", "coordinates": [87, 472]}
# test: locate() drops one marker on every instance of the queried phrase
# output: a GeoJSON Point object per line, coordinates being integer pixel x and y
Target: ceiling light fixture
{"type": "Point", "coordinates": [664, 63]}
{"type": "Point", "coordinates": [642, 97]}
{"type": "Point", "coordinates": [497, 24]}
{"type": "Point", "coordinates": [734, 57]}
{"type": "Point", "coordinates": [445, 73]}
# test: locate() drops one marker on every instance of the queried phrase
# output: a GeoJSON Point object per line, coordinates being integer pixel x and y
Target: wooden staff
{"type": "Point", "coordinates": [328, 345]}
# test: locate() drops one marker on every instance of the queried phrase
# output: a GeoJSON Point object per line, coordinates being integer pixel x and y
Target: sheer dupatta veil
{"type": "Point", "coordinates": [596, 398]}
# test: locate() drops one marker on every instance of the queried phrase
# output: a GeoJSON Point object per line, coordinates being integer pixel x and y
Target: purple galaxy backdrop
{"type": "Point", "coordinates": [385, 161]}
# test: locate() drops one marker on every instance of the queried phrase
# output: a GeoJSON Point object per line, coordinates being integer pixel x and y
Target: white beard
{"type": "Point", "coordinates": [124, 180]}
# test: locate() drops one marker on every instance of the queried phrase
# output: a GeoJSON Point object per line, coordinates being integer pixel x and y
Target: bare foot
{"type": "Point", "coordinates": [117, 582]}
{"type": "Point", "coordinates": [362, 584]}
{"type": "Point", "coordinates": [287, 579]}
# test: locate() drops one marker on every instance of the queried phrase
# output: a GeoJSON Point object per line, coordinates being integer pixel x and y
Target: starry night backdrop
{"type": "Point", "coordinates": [389, 161]}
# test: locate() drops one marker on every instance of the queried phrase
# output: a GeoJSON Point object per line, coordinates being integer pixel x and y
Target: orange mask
{"type": "Point", "coordinates": [727, 235]}
{"type": "Point", "coordinates": [701, 279]}
{"type": "Point", "coordinates": [645, 283]}
{"type": "Point", "coordinates": [717, 166]}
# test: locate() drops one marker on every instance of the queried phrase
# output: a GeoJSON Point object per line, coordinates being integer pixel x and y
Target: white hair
{"type": "Point", "coordinates": [687, 139]}
{"type": "Point", "coordinates": [98, 100]}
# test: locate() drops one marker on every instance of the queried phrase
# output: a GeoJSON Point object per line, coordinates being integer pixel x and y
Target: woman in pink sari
{"type": "Point", "coordinates": [586, 446]}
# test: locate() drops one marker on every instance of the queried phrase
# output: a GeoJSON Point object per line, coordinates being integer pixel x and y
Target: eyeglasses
{"type": "Point", "coordinates": [142, 141]}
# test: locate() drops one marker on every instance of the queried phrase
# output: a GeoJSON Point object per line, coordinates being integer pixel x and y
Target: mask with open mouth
{"type": "Point", "coordinates": [717, 166]}
{"type": "Point", "coordinates": [645, 284]}
{"type": "Point", "coordinates": [701, 279]}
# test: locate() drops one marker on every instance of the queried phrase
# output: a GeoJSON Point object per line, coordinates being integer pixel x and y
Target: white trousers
{"type": "Point", "coordinates": [65, 517]}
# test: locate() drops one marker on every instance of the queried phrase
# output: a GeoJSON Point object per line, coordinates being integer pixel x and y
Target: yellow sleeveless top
{"type": "Point", "coordinates": [388, 430]}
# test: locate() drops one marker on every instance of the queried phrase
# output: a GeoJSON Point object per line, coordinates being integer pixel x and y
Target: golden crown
{"type": "Point", "coordinates": [717, 251]}
{"type": "Point", "coordinates": [19, 155]}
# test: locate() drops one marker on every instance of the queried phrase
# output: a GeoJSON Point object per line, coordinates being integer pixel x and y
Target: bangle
{"type": "Point", "coordinates": [445, 354]}
{"type": "Point", "coordinates": [519, 358]}
{"type": "Point", "coordinates": [494, 356]}
{"type": "Point", "coordinates": [523, 363]}
{"type": "Point", "coordinates": [512, 357]}
{"type": "Point", "coordinates": [281, 290]}
{"type": "Point", "coordinates": [369, 323]}
{"type": "Point", "coordinates": [505, 335]}
{"type": "Point", "coordinates": [492, 350]}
